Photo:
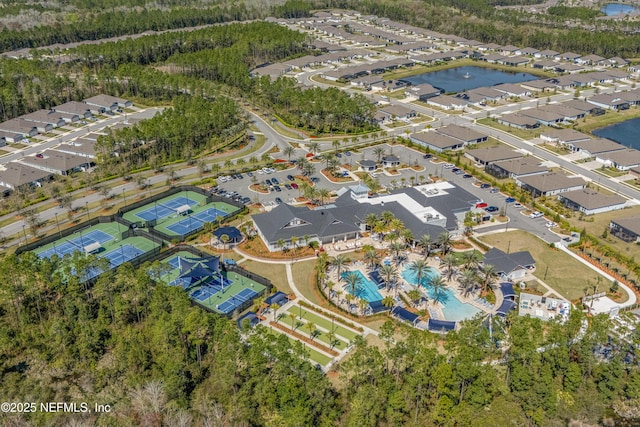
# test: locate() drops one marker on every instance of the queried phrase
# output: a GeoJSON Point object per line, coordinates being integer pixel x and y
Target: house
{"type": "Point", "coordinates": [47, 119]}
{"type": "Point", "coordinates": [512, 266]}
{"type": "Point", "coordinates": [516, 168]}
{"type": "Point", "coordinates": [563, 136]}
{"type": "Point", "coordinates": [19, 128]}
{"type": "Point", "coordinates": [567, 56]}
{"type": "Point", "coordinates": [58, 162]}
{"type": "Point", "coordinates": [550, 184]}
{"type": "Point", "coordinates": [488, 155]}
{"type": "Point", "coordinates": [9, 137]}
{"type": "Point", "coordinates": [436, 141]}
{"type": "Point", "coordinates": [594, 147]}
{"type": "Point", "coordinates": [518, 121]}
{"type": "Point", "coordinates": [390, 161]}
{"type": "Point", "coordinates": [107, 102]}
{"type": "Point", "coordinates": [547, 53]}
{"type": "Point", "coordinates": [422, 92]}
{"type": "Point", "coordinates": [18, 176]}
{"type": "Point", "coordinates": [623, 160]}
{"type": "Point", "coordinates": [609, 101]}
{"type": "Point", "coordinates": [539, 85]}
{"type": "Point", "coordinates": [73, 107]}
{"type": "Point", "coordinates": [80, 147]}
{"type": "Point", "coordinates": [627, 229]}
{"type": "Point", "coordinates": [527, 51]}
{"type": "Point", "coordinates": [544, 117]}
{"type": "Point", "coordinates": [515, 61]}
{"type": "Point", "coordinates": [569, 114]}
{"type": "Point", "coordinates": [587, 107]}
{"type": "Point", "coordinates": [545, 65]}
{"type": "Point", "coordinates": [589, 59]}
{"type": "Point", "coordinates": [591, 202]}
{"type": "Point", "coordinates": [463, 134]}
{"type": "Point", "coordinates": [368, 165]}
{"type": "Point", "coordinates": [569, 68]}
{"type": "Point", "coordinates": [397, 112]}
{"type": "Point", "coordinates": [446, 102]}
{"type": "Point", "coordinates": [512, 90]}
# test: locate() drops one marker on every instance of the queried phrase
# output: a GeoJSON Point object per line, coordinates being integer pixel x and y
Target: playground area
{"type": "Point", "coordinates": [180, 213]}
{"type": "Point", "coordinates": [218, 290]}
{"type": "Point", "coordinates": [103, 240]}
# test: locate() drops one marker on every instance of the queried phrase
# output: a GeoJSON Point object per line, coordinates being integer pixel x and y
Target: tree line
{"type": "Point", "coordinates": [140, 346]}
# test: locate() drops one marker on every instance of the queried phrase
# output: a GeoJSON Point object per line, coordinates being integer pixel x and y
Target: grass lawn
{"type": "Point", "coordinates": [274, 272]}
{"type": "Point", "coordinates": [285, 131]}
{"type": "Point", "coordinates": [323, 322]}
{"type": "Point", "coordinates": [563, 273]}
{"type": "Point", "coordinates": [303, 278]}
{"type": "Point", "coordinates": [300, 326]}
{"type": "Point", "coordinates": [608, 118]}
{"type": "Point", "coordinates": [521, 133]}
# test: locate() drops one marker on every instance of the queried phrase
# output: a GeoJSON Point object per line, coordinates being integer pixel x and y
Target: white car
{"type": "Point", "coordinates": [536, 214]}
{"type": "Point", "coordinates": [260, 171]}
{"type": "Point", "coordinates": [550, 224]}
{"type": "Point", "coordinates": [449, 166]}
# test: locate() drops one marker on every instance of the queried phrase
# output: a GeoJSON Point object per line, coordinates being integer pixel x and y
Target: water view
{"type": "Point", "coordinates": [626, 133]}
{"type": "Point", "coordinates": [611, 9]}
{"type": "Point", "coordinates": [466, 78]}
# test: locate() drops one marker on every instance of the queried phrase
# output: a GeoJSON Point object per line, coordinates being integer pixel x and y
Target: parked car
{"type": "Point", "coordinates": [491, 209]}
{"type": "Point", "coordinates": [278, 200]}
{"type": "Point", "coordinates": [268, 182]}
{"type": "Point", "coordinates": [287, 186]}
{"type": "Point", "coordinates": [277, 188]}
{"type": "Point", "coordinates": [510, 200]}
{"type": "Point", "coordinates": [347, 153]}
{"type": "Point", "coordinates": [290, 177]}
{"type": "Point", "coordinates": [427, 156]}
{"type": "Point", "coordinates": [494, 190]}
{"type": "Point", "coordinates": [467, 176]}
{"type": "Point", "coordinates": [249, 174]}
{"type": "Point", "coordinates": [449, 166]}
{"type": "Point", "coordinates": [338, 155]}
{"type": "Point", "coordinates": [484, 186]}
{"type": "Point", "coordinates": [481, 205]}
{"type": "Point", "coordinates": [454, 170]}
{"type": "Point", "coordinates": [550, 224]}
{"type": "Point", "coordinates": [517, 205]}
{"type": "Point", "coordinates": [294, 186]}
{"type": "Point", "coordinates": [536, 214]}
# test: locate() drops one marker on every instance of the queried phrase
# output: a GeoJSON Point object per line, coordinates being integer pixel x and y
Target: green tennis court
{"type": "Point", "coordinates": [165, 207]}
{"type": "Point", "coordinates": [179, 225]}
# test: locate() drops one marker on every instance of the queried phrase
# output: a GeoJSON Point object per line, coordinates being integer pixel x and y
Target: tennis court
{"type": "Point", "coordinates": [186, 225]}
{"type": "Point", "coordinates": [209, 215]}
{"type": "Point", "coordinates": [165, 208]}
{"type": "Point", "coordinates": [124, 253]}
{"type": "Point", "coordinates": [66, 246]}
{"type": "Point", "coordinates": [236, 300]}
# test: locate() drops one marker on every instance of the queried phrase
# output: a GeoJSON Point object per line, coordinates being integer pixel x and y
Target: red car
{"type": "Point", "coordinates": [294, 185]}
{"type": "Point", "coordinates": [481, 205]}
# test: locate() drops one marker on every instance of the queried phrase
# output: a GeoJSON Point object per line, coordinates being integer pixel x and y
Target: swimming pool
{"type": "Point", "coordinates": [452, 307]}
{"type": "Point", "coordinates": [366, 290]}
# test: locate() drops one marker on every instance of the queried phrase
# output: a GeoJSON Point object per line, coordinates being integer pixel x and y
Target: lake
{"type": "Point", "coordinates": [626, 133]}
{"type": "Point", "coordinates": [611, 9]}
{"type": "Point", "coordinates": [460, 79]}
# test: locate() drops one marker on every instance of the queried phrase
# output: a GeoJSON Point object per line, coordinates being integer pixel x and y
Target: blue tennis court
{"type": "Point", "coordinates": [209, 215]}
{"type": "Point", "coordinates": [205, 292]}
{"type": "Point", "coordinates": [186, 225]}
{"type": "Point", "coordinates": [124, 253]}
{"type": "Point", "coordinates": [76, 244]}
{"type": "Point", "coordinates": [236, 300]}
{"type": "Point", "coordinates": [166, 208]}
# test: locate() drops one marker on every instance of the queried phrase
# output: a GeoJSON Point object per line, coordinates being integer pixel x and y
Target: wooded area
{"type": "Point", "coordinates": [141, 347]}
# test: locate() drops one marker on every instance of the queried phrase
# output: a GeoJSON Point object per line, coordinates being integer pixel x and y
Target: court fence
{"type": "Point", "coordinates": [64, 233]}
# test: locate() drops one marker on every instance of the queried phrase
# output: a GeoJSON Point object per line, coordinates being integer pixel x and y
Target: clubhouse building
{"type": "Point", "coordinates": [426, 209]}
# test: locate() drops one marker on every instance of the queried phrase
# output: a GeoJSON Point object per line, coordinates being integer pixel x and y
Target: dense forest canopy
{"type": "Point", "coordinates": [141, 347]}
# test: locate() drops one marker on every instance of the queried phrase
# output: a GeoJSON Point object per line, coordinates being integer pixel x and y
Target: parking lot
{"type": "Point", "coordinates": [239, 186]}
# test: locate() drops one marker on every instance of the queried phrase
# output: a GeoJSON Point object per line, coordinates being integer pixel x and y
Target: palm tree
{"type": "Point", "coordinates": [288, 151]}
{"type": "Point", "coordinates": [335, 144]}
{"type": "Point", "coordinates": [353, 281]}
{"type": "Point", "coordinates": [437, 285]}
{"type": "Point", "coordinates": [378, 152]}
{"type": "Point", "coordinates": [372, 257]}
{"type": "Point", "coordinates": [292, 317]}
{"type": "Point", "coordinates": [425, 243]}
{"type": "Point", "coordinates": [363, 304]}
{"type": "Point", "coordinates": [389, 274]}
{"type": "Point", "coordinates": [396, 248]}
{"type": "Point", "coordinates": [339, 262]}
{"type": "Point", "coordinates": [312, 330]}
{"type": "Point", "coordinates": [420, 269]}
{"type": "Point", "coordinates": [323, 194]}
{"type": "Point", "coordinates": [281, 244]}
{"type": "Point", "coordinates": [470, 259]}
{"type": "Point", "coordinates": [275, 308]}
{"type": "Point", "coordinates": [294, 243]}
{"type": "Point", "coordinates": [406, 235]}
{"type": "Point", "coordinates": [414, 295]}
{"type": "Point", "coordinates": [349, 298]}
{"type": "Point", "coordinates": [467, 280]}
{"type": "Point", "coordinates": [333, 164]}
{"type": "Point", "coordinates": [444, 242]}
{"type": "Point", "coordinates": [387, 217]}
{"type": "Point", "coordinates": [388, 301]}
{"type": "Point", "coordinates": [313, 148]}
{"type": "Point", "coordinates": [371, 220]}
{"type": "Point", "coordinates": [450, 263]}
{"type": "Point", "coordinates": [488, 274]}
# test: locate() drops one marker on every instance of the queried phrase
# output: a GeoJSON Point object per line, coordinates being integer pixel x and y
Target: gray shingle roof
{"type": "Point", "coordinates": [506, 263]}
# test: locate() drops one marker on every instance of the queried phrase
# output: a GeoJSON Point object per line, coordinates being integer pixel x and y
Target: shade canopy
{"type": "Point", "coordinates": [232, 233]}
{"type": "Point", "coordinates": [199, 267]}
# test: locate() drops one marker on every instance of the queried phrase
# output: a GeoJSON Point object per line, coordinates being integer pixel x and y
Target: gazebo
{"type": "Point", "coordinates": [233, 235]}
